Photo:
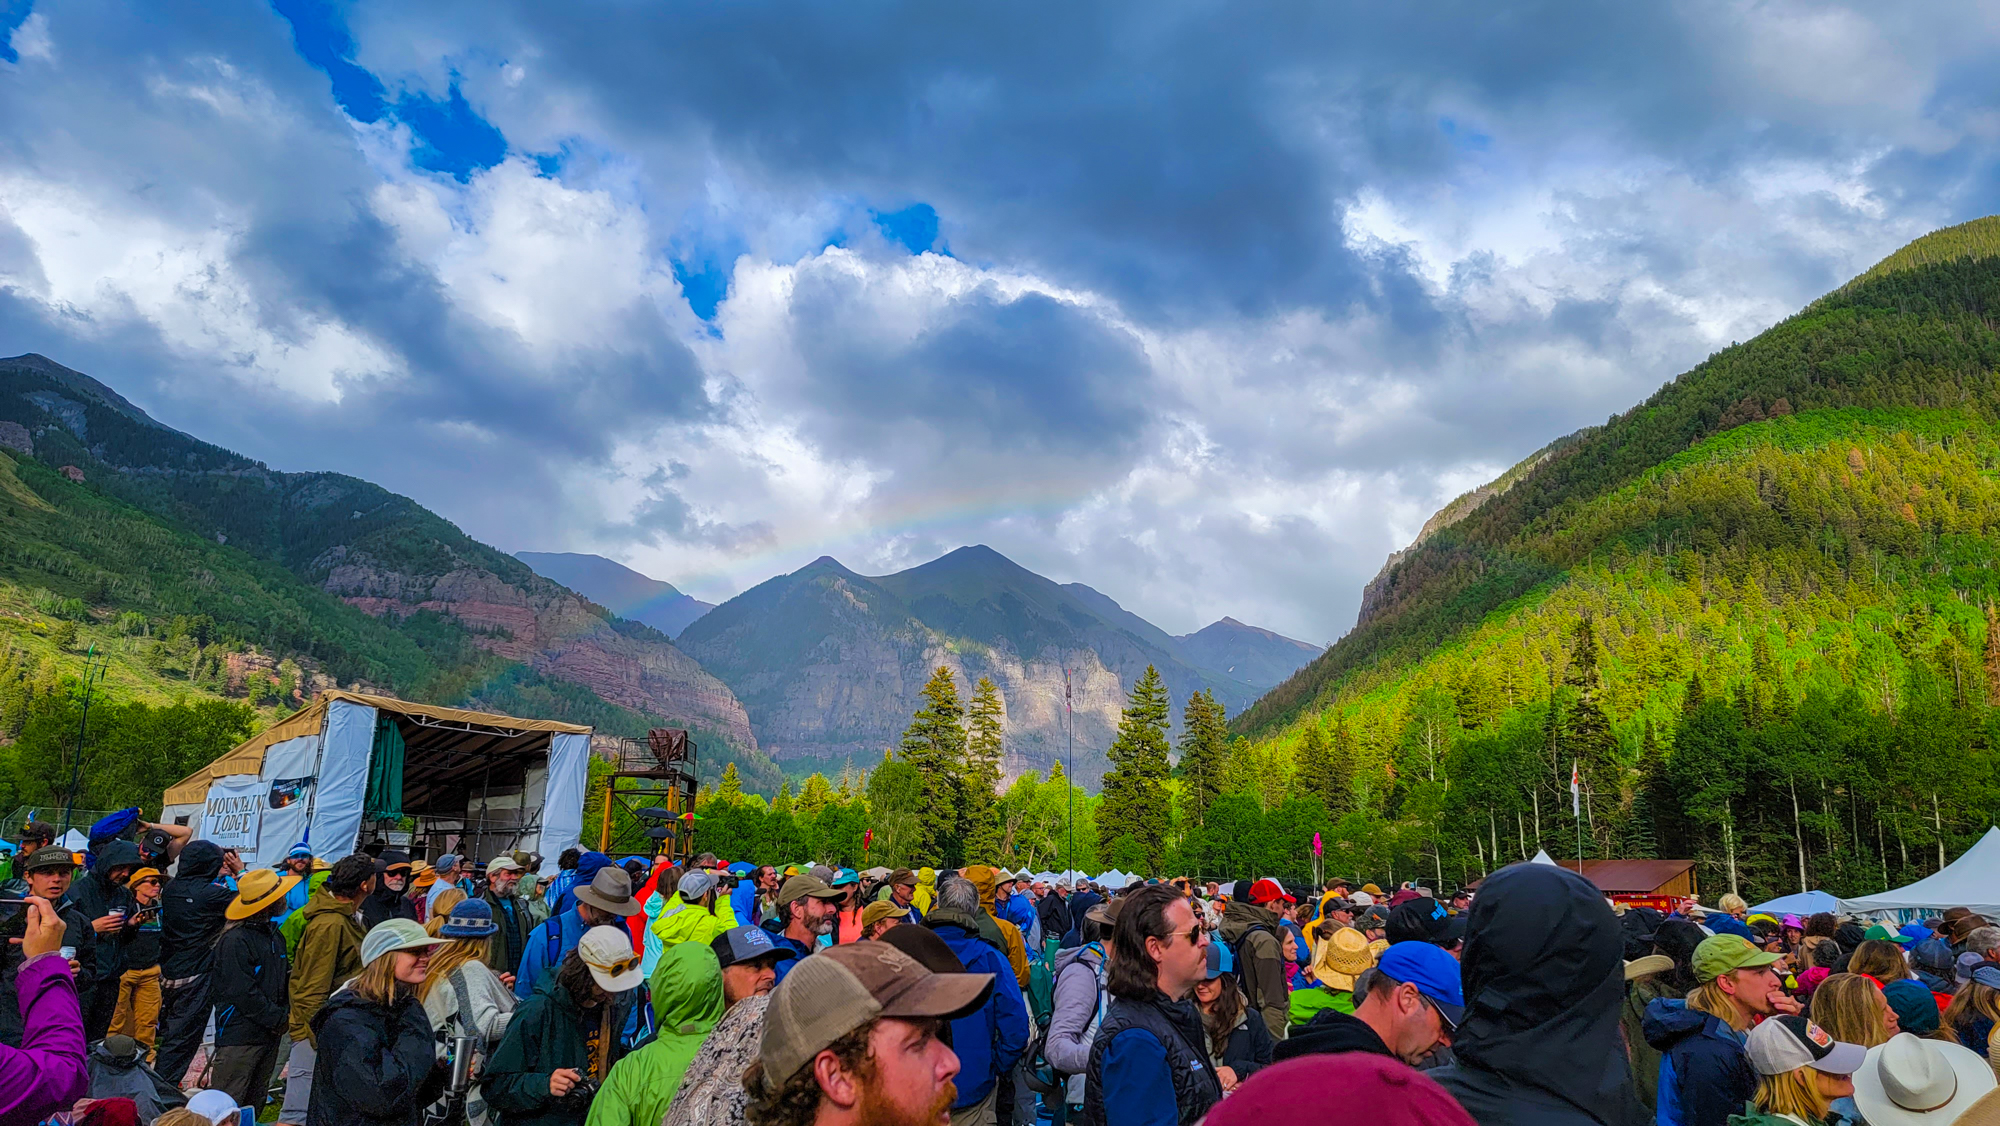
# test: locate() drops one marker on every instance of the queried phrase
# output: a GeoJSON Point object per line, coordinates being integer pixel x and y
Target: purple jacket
{"type": "Point", "coordinates": [47, 1072]}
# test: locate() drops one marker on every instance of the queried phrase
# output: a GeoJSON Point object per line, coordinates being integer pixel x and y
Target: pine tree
{"type": "Point", "coordinates": [1314, 776]}
{"type": "Point", "coordinates": [814, 796]}
{"type": "Point", "coordinates": [979, 825]}
{"type": "Point", "coordinates": [1342, 756]}
{"type": "Point", "coordinates": [1204, 745]}
{"type": "Point", "coordinates": [934, 743]}
{"type": "Point", "coordinates": [783, 802]}
{"type": "Point", "coordinates": [1586, 737]}
{"type": "Point", "coordinates": [729, 790]}
{"type": "Point", "coordinates": [1135, 799]}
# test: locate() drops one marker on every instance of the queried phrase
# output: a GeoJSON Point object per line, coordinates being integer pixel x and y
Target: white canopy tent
{"type": "Point", "coordinates": [1973, 880]}
{"type": "Point", "coordinates": [1542, 857]}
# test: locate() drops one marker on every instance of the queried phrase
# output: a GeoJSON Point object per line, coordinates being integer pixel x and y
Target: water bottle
{"type": "Point", "coordinates": [461, 1062]}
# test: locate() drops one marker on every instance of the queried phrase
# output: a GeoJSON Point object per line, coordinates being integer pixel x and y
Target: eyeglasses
{"type": "Point", "coordinates": [1194, 934]}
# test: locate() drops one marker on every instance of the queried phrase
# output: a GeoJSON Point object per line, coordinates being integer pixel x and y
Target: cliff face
{"type": "Point", "coordinates": [830, 663]}
{"type": "Point", "coordinates": [553, 631]}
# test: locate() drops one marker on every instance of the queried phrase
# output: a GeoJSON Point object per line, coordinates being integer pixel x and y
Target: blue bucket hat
{"type": "Point", "coordinates": [471, 918]}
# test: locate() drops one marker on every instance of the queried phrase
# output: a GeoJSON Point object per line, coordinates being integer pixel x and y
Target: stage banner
{"type": "Point", "coordinates": [234, 814]}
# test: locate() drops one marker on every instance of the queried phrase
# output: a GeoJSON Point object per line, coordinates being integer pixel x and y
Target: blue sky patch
{"type": "Point", "coordinates": [450, 135]}
{"type": "Point", "coordinates": [915, 227]}
{"type": "Point", "coordinates": [12, 13]}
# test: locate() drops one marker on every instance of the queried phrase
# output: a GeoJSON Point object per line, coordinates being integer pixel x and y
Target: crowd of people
{"type": "Point", "coordinates": [159, 980]}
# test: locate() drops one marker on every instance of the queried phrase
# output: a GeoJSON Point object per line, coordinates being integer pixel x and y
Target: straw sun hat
{"type": "Point", "coordinates": [1344, 957]}
{"type": "Point", "coordinates": [257, 890]}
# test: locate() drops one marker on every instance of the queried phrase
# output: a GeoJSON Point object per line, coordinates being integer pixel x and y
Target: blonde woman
{"type": "Point", "coordinates": [377, 1063]}
{"type": "Point", "coordinates": [1802, 1071]}
{"type": "Point", "coordinates": [1852, 1009]}
{"type": "Point", "coordinates": [440, 908]}
{"type": "Point", "coordinates": [460, 995]}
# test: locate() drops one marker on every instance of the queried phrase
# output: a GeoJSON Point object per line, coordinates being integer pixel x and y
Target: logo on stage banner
{"type": "Point", "coordinates": [235, 813]}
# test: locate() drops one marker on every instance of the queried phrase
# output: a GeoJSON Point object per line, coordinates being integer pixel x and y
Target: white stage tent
{"type": "Point", "coordinates": [1542, 857]}
{"type": "Point", "coordinates": [1973, 880]}
{"type": "Point", "coordinates": [490, 782]}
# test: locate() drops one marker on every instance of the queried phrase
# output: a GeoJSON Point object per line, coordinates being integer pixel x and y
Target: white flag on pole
{"type": "Point", "coordinates": [1575, 792]}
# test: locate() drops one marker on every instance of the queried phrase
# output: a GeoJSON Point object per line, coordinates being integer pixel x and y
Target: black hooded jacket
{"type": "Point", "coordinates": [92, 897]}
{"type": "Point", "coordinates": [383, 904]}
{"type": "Point", "coordinates": [1544, 979]}
{"type": "Point", "coordinates": [191, 912]}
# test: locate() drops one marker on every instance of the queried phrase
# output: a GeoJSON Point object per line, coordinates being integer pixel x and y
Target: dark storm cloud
{"type": "Point", "coordinates": [1029, 372]}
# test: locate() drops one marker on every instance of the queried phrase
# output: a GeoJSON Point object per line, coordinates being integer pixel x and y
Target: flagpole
{"type": "Point", "coordinates": [1576, 811]}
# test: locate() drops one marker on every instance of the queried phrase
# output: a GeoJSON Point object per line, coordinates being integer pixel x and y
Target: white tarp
{"type": "Point", "coordinates": [289, 774]}
{"type": "Point", "coordinates": [343, 779]}
{"type": "Point", "coordinates": [233, 815]}
{"type": "Point", "coordinates": [562, 805]}
{"type": "Point", "coordinates": [1973, 880]}
{"type": "Point", "coordinates": [74, 841]}
{"type": "Point", "coordinates": [1542, 857]}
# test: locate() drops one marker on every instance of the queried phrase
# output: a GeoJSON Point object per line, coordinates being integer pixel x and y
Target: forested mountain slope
{"type": "Point", "coordinates": [353, 582]}
{"type": "Point", "coordinates": [1756, 612]}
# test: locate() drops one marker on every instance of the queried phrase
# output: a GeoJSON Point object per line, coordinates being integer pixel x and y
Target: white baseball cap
{"type": "Point", "coordinates": [612, 961]}
{"type": "Point", "coordinates": [1786, 1043]}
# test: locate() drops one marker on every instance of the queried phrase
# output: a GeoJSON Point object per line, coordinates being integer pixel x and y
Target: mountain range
{"type": "Point", "coordinates": [359, 586]}
{"type": "Point", "coordinates": [619, 588]}
{"type": "Point", "coordinates": [829, 663]}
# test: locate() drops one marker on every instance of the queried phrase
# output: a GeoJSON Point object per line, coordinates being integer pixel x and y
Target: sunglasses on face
{"type": "Point", "coordinates": [1194, 934]}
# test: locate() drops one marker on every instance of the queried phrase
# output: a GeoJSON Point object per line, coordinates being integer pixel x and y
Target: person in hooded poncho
{"type": "Point", "coordinates": [1544, 977]}
{"type": "Point", "coordinates": [687, 1000]}
{"type": "Point", "coordinates": [926, 890]}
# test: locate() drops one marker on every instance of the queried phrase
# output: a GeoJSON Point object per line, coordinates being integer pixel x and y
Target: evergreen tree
{"type": "Point", "coordinates": [814, 796]}
{"type": "Point", "coordinates": [934, 743]}
{"type": "Point", "coordinates": [1586, 736]}
{"type": "Point", "coordinates": [979, 825]}
{"type": "Point", "coordinates": [1343, 754]}
{"type": "Point", "coordinates": [783, 802]}
{"type": "Point", "coordinates": [1204, 745]}
{"type": "Point", "coordinates": [1314, 777]}
{"type": "Point", "coordinates": [728, 791]}
{"type": "Point", "coordinates": [895, 811]}
{"type": "Point", "coordinates": [1135, 798]}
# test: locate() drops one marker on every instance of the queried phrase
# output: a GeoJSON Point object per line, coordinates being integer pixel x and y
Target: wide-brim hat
{"type": "Point", "coordinates": [1344, 957]}
{"type": "Point", "coordinates": [610, 890]}
{"type": "Point", "coordinates": [1647, 966]}
{"type": "Point", "coordinates": [1915, 1080]}
{"type": "Point", "coordinates": [258, 889]}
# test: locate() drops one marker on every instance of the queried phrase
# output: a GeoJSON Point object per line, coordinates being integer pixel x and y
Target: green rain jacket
{"type": "Point", "coordinates": [687, 1003]}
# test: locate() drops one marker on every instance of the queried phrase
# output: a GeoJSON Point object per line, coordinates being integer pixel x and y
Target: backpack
{"type": "Point", "coordinates": [1252, 990]}
{"type": "Point", "coordinates": [1041, 993]}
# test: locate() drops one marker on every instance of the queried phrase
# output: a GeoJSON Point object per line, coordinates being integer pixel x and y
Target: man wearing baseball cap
{"type": "Point", "coordinates": [807, 910]}
{"type": "Point", "coordinates": [1705, 1075]}
{"type": "Point", "coordinates": [854, 1035]}
{"type": "Point", "coordinates": [503, 876]}
{"type": "Point", "coordinates": [1409, 1005]}
{"type": "Point", "coordinates": [1250, 926]}
{"type": "Point", "coordinates": [903, 893]}
{"type": "Point", "coordinates": [749, 962]}
{"type": "Point", "coordinates": [46, 872]}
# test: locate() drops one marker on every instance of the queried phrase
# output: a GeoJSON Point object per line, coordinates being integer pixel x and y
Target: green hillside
{"type": "Point", "coordinates": [1754, 610]}
{"type": "Point", "coordinates": [200, 575]}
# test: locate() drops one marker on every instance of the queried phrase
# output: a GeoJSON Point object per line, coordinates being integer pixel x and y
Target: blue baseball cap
{"type": "Point", "coordinates": [1220, 960]}
{"type": "Point", "coordinates": [748, 944]}
{"type": "Point", "coordinates": [1433, 971]}
{"type": "Point", "coordinates": [844, 877]}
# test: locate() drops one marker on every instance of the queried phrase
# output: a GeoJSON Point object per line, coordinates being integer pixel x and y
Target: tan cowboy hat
{"type": "Point", "coordinates": [1343, 957]}
{"type": "Point", "coordinates": [257, 890]}
{"type": "Point", "coordinates": [1647, 966]}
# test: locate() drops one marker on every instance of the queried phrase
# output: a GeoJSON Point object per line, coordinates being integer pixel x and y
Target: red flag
{"type": "Point", "coordinates": [867, 838]}
{"type": "Point", "coordinates": [1318, 848]}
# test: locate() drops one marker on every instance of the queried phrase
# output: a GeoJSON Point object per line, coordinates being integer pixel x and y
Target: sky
{"type": "Point", "coordinates": [1206, 305]}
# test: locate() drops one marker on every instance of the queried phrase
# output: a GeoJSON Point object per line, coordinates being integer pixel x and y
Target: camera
{"type": "Point", "coordinates": [585, 1090]}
